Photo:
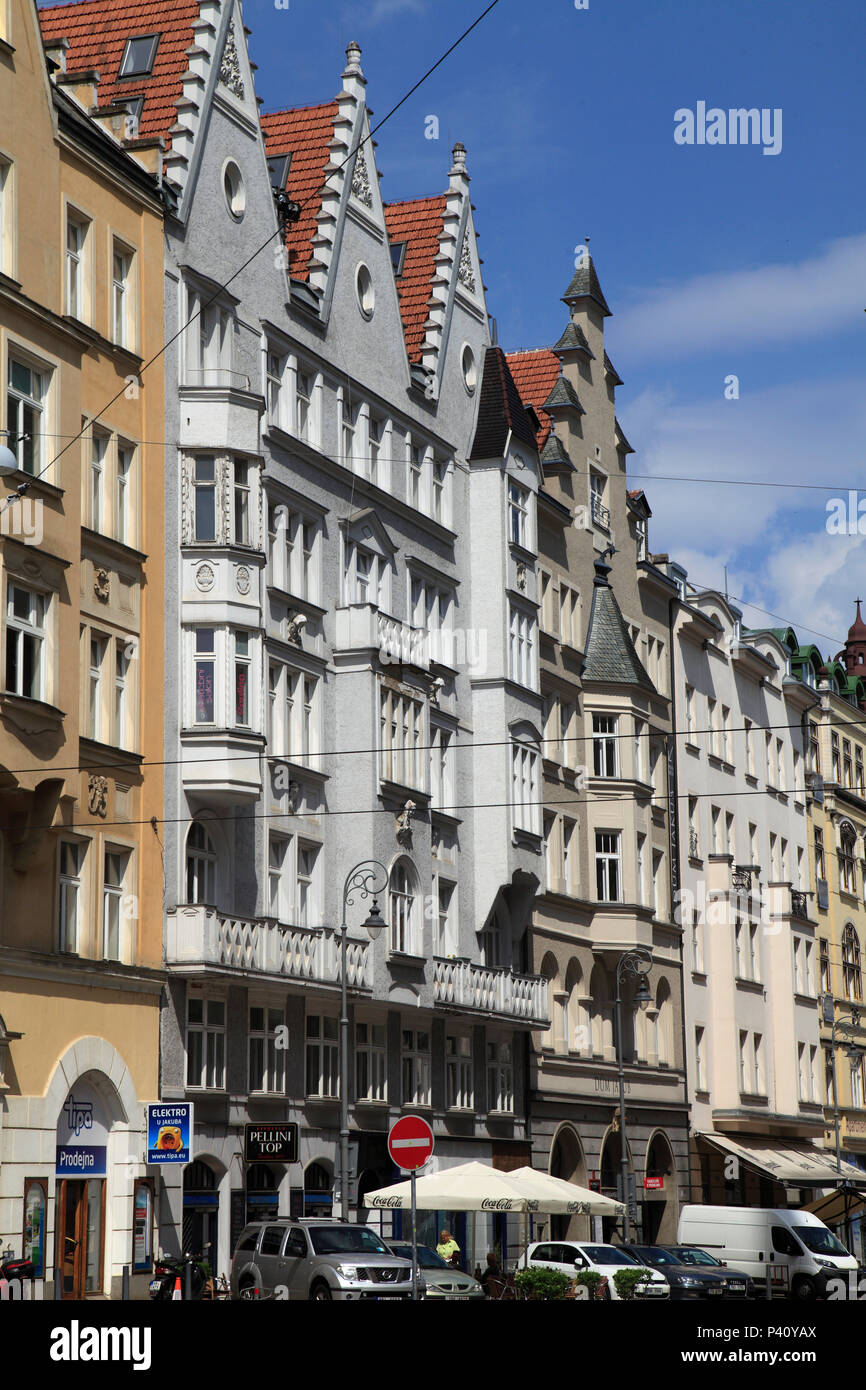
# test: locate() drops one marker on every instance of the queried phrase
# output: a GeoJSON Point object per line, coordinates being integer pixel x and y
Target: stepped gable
{"type": "Point", "coordinates": [306, 134]}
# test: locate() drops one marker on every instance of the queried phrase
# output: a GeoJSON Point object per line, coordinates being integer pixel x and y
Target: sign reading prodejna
{"type": "Point", "coordinates": [169, 1133]}
{"type": "Point", "coordinates": [271, 1143]}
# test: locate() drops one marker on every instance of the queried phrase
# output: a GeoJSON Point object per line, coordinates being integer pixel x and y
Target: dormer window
{"type": "Point", "coordinates": [398, 257]}
{"type": "Point", "coordinates": [138, 56]}
{"type": "Point", "coordinates": [278, 168]}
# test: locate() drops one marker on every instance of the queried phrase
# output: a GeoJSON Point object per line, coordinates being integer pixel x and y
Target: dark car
{"type": "Point", "coordinates": [739, 1284]}
{"type": "Point", "coordinates": [686, 1281]}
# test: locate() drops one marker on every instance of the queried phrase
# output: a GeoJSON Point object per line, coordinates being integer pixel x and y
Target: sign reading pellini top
{"type": "Point", "coordinates": [169, 1133]}
{"type": "Point", "coordinates": [82, 1135]}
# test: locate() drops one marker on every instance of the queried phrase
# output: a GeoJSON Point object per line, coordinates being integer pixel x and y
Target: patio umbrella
{"type": "Point", "coordinates": [467, 1187]}
{"type": "Point", "coordinates": [560, 1198]}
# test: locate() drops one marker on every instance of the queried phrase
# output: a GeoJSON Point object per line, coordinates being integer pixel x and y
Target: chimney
{"type": "Point", "coordinates": [55, 52]}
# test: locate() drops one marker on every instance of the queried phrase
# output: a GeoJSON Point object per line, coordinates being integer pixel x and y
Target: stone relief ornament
{"type": "Point", "coordinates": [465, 273]}
{"type": "Point", "coordinates": [204, 578]}
{"type": "Point", "coordinates": [403, 824]}
{"type": "Point", "coordinates": [361, 180]}
{"type": "Point", "coordinates": [97, 795]}
{"type": "Point", "coordinates": [521, 578]}
{"type": "Point", "coordinates": [230, 67]}
{"type": "Point", "coordinates": [242, 579]}
{"type": "Point", "coordinates": [102, 585]}
{"type": "Point", "coordinates": [293, 800]}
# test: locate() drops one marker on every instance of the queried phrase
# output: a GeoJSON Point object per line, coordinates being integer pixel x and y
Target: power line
{"type": "Point", "coordinates": [204, 304]}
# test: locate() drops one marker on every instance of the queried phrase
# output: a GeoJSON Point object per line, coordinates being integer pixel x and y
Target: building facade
{"type": "Point", "coordinates": [80, 621]}
{"type": "Point", "coordinates": [610, 850]}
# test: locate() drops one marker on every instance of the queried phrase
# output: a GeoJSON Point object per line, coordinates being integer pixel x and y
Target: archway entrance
{"type": "Point", "coordinates": [263, 1191]}
{"type": "Point", "coordinates": [318, 1190]}
{"type": "Point", "coordinates": [567, 1162]}
{"type": "Point", "coordinates": [660, 1204]}
{"type": "Point", "coordinates": [611, 1177]}
{"type": "Point", "coordinates": [81, 1166]}
{"type": "Point", "coordinates": [200, 1212]}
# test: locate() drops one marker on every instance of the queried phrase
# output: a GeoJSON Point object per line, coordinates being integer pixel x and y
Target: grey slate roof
{"type": "Point", "coordinates": [555, 453]}
{"type": "Point", "coordinates": [563, 393]}
{"type": "Point", "coordinates": [584, 285]}
{"type": "Point", "coordinates": [610, 655]}
{"type": "Point", "coordinates": [612, 371]}
{"type": "Point", "coordinates": [500, 409]}
{"type": "Point", "coordinates": [623, 447]}
{"type": "Point", "coordinates": [574, 340]}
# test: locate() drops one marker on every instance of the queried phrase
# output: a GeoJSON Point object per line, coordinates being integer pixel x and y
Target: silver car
{"type": "Point", "coordinates": [316, 1259]}
{"type": "Point", "coordinates": [438, 1278]}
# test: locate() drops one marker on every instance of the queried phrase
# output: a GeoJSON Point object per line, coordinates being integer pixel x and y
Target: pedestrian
{"type": "Point", "coordinates": [491, 1280]}
{"type": "Point", "coordinates": [448, 1249]}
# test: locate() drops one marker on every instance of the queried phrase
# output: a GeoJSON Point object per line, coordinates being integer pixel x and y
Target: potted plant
{"type": "Point", "coordinates": [589, 1280]}
{"type": "Point", "coordinates": [537, 1283]}
{"type": "Point", "coordinates": [625, 1280]}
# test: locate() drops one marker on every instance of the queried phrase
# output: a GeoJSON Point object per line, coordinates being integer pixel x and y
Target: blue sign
{"type": "Point", "coordinates": [169, 1133]}
{"type": "Point", "coordinates": [80, 1161]}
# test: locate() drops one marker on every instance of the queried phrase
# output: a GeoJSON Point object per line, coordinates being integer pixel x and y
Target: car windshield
{"type": "Point", "coordinates": [656, 1255]}
{"type": "Point", "coordinates": [427, 1258]}
{"type": "Point", "coordinates": [819, 1240]}
{"type": "Point", "coordinates": [687, 1256]}
{"type": "Point", "coordinates": [608, 1255]}
{"type": "Point", "coordinates": [346, 1240]}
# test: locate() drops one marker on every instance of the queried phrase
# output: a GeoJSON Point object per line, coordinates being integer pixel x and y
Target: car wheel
{"type": "Point", "coordinates": [321, 1292]}
{"type": "Point", "coordinates": [804, 1290]}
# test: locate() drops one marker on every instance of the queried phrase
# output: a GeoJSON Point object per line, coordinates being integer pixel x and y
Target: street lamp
{"type": "Point", "coordinates": [366, 879]}
{"type": "Point", "coordinates": [633, 964]}
{"type": "Point", "coordinates": [847, 1027]}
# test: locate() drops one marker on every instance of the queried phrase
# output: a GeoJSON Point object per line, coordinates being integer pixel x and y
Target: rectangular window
{"type": "Point", "coordinates": [98, 450]}
{"type": "Point", "coordinates": [600, 513]}
{"type": "Point", "coordinates": [730, 845]}
{"type": "Point", "coordinates": [416, 475]}
{"type": "Point", "coordinates": [205, 665]}
{"type": "Point", "coordinates": [641, 868]}
{"type": "Point", "coordinates": [726, 734]}
{"type": "Point", "coordinates": [76, 236]}
{"type": "Point", "coordinates": [569, 616]}
{"type": "Point", "coordinates": [445, 942]}
{"type": "Point", "coordinates": [835, 757]}
{"type": "Point", "coordinates": [204, 490]}
{"type": "Point", "coordinates": [694, 830]}
{"type": "Point", "coordinates": [122, 500]}
{"type": "Point", "coordinates": [440, 475]}
{"type": "Point", "coordinates": [27, 390]}
{"type": "Point", "coordinates": [323, 1066]}
{"type": "Point", "coordinates": [441, 768]}
{"type": "Point", "coordinates": [744, 1061]}
{"type": "Point", "coordinates": [376, 436]}
{"type": "Point", "coordinates": [242, 502]}
{"type": "Point", "coordinates": [275, 366]}
{"type": "Point", "coordinates": [700, 1061]}
{"type": "Point", "coordinates": [266, 1053]}
{"type": "Point", "coordinates": [824, 948]}
{"type": "Point", "coordinates": [279, 887]}
{"type": "Point", "coordinates": [242, 679]}
{"type": "Point", "coordinates": [715, 825]}
{"type": "Point", "coordinates": [121, 694]}
{"type": "Point", "coordinates": [371, 1056]}
{"type": "Point", "coordinates": [814, 748]}
{"type": "Point", "coordinates": [847, 766]}
{"type": "Point", "coordinates": [352, 457]}
{"type": "Point", "coordinates": [522, 648]}
{"type": "Point", "coordinates": [306, 914]}
{"type": "Point", "coordinates": [524, 788]}
{"type": "Point", "coordinates": [500, 1078]}
{"type": "Point", "coordinates": [7, 225]}
{"type": "Point", "coordinates": [116, 863]}
{"type": "Point", "coordinates": [138, 56]}
{"type": "Point", "coordinates": [205, 1042]}
{"type": "Point", "coordinates": [458, 1071]}
{"type": "Point", "coordinates": [415, 1067]}
{"type": "Point", "coordinates": [25, 642]}
{"type": "Point", "coordinates": [690, 714]}
{"type": "Point", "coordinates": [546, 604]}
{"type": "Point", "coordinates": [71, 894]}
{"type": "Point", "coordinates": [518, 515]}
{"type": "Point", "coordinates": [120, 295]}
{"type": "Point", "coordinates": [605, 745]}
{"type": "Point", "coordinates": [779, 766]}
{"type": "Point", "coordinates": [303, 405]}
{"type": "Point", "coordinates": [820, 866]}
{"type": "Point", "coordinates": [608, 866]}
{"type": "Point", "coordinates": [96, 698]}
{"type": "Point", "coordinates": [712, 727]}
{"type": "Point", "coordinates": [569, 855]}
{"type": "Point", "coordinates": [401, 721]}
{"type": "Point", "coordinates": [749, 747]}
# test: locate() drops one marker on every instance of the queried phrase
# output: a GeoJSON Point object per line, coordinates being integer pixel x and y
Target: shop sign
{"type": "Point", "coordinates": [169, 1133]}
{"type": "Point", "coordinates": [271, 1143]}
{"type": "Point", "coordinates": [82, 1135]}
{"type": "Point", "coordinates": [654, 1184]}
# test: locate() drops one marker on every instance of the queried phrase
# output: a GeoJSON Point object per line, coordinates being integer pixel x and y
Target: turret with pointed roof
{"type": "Point", "coordinates": [610, 655]}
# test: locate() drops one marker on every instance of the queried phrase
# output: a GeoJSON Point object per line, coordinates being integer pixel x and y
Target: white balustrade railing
{"type": "Point", "coordinates": [199, 935]}
{"type": "Point", "coordinates": [490, 990]}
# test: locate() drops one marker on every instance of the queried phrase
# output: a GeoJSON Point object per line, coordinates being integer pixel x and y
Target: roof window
{"type": "Point", "coordinates": [138, 56]}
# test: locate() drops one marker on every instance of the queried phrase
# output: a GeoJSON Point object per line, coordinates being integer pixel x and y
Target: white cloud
{"type": "Point", "coordinates": [392, 9]}
{"type": "Point", "coordinates": [745, 307]}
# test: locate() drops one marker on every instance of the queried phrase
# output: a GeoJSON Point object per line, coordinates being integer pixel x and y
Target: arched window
{"type": "Point", "coordinates": [847, 843]}
{"type": "Point", "coordinates": [577, 1029]}
{"type": "Point", "coordinates": [852, 980]}
{"type": "Point", "coordinates": [664, 1028]}
{"type": "Point", "coordinates": [550, 972]}
{"type": "Point", "coordinates": [402, 900]}
{"type": "Point", "coordinates": [201, 861]}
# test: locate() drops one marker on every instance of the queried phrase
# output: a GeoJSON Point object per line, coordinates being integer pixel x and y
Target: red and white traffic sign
{"type": "Point", "coordinates": [410, 1142]}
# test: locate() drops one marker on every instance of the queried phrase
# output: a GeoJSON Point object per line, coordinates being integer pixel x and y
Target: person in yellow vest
{"type": "Point", "coordinates": [448, 1248]}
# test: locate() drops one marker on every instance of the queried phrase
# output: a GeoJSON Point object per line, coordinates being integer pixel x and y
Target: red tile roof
{"type": "Point", "coordinates": [305, 133]}
{"type": "Point", "coordinates": [97, 31]}
{"type": "Point", "coordinates": [535, 375]}
{"type": "Point", "coordinates": [418, 222]}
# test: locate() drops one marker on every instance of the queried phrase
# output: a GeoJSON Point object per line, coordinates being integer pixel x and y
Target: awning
{"type": "Point", "coordinates": [795, 1165]}
{"type": "Point", "coordinates": [836, 1207]}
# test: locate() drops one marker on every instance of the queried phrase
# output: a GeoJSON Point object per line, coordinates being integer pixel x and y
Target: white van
{"type": "Point", "coordinates": [750, 1238]}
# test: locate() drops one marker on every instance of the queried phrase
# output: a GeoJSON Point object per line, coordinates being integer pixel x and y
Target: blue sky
{"type": "Point", "coordinates": [716, 260]}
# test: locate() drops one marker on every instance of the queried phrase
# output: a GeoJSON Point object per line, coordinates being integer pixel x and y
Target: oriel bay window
{"type": "Point", "coordinates": [267, 1052]}
{"type": "Point", "coordinates": [525, 797]}
{"type": "Point", "coordinates": [204, 495]}
{"type": "Point", "coordinates": [205, 1042]}
{"type": "Point", "coordinates": [241, 502]}
{"type": "Point", "coordinates": [605, 748]}
{"type": "Point", "coordinates": [222, 679]}
{"type": "Point", "coordinates": [608, 866]}
{"type": "Point", "coordinates": [242, 679]}
{"type": "Point", "coordinates": [205, 667]}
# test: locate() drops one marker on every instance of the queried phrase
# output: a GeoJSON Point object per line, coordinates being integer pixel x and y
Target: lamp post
{"type": "Point", "coordinates": [366, 879]}
{"type": "Point", "coordinates": [633, 964]}
{"type": "Point", "coordinates": [847, 1027]}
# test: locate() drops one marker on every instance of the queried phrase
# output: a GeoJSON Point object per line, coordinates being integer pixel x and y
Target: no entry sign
{"type": "Point", "coordinates": [410, 1142]}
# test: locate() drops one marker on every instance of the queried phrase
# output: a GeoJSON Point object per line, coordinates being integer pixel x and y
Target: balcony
{"type": "Point", "coordinates": [200, 938]}
{"type": "Point", "coordinates": [361, 626]}
{"type": "Point", "coordinates": [499, 993]}
{"type": "Point", "coordinates": [600, 513]}
{"type": "Point", "coordinates": [220, 410]}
